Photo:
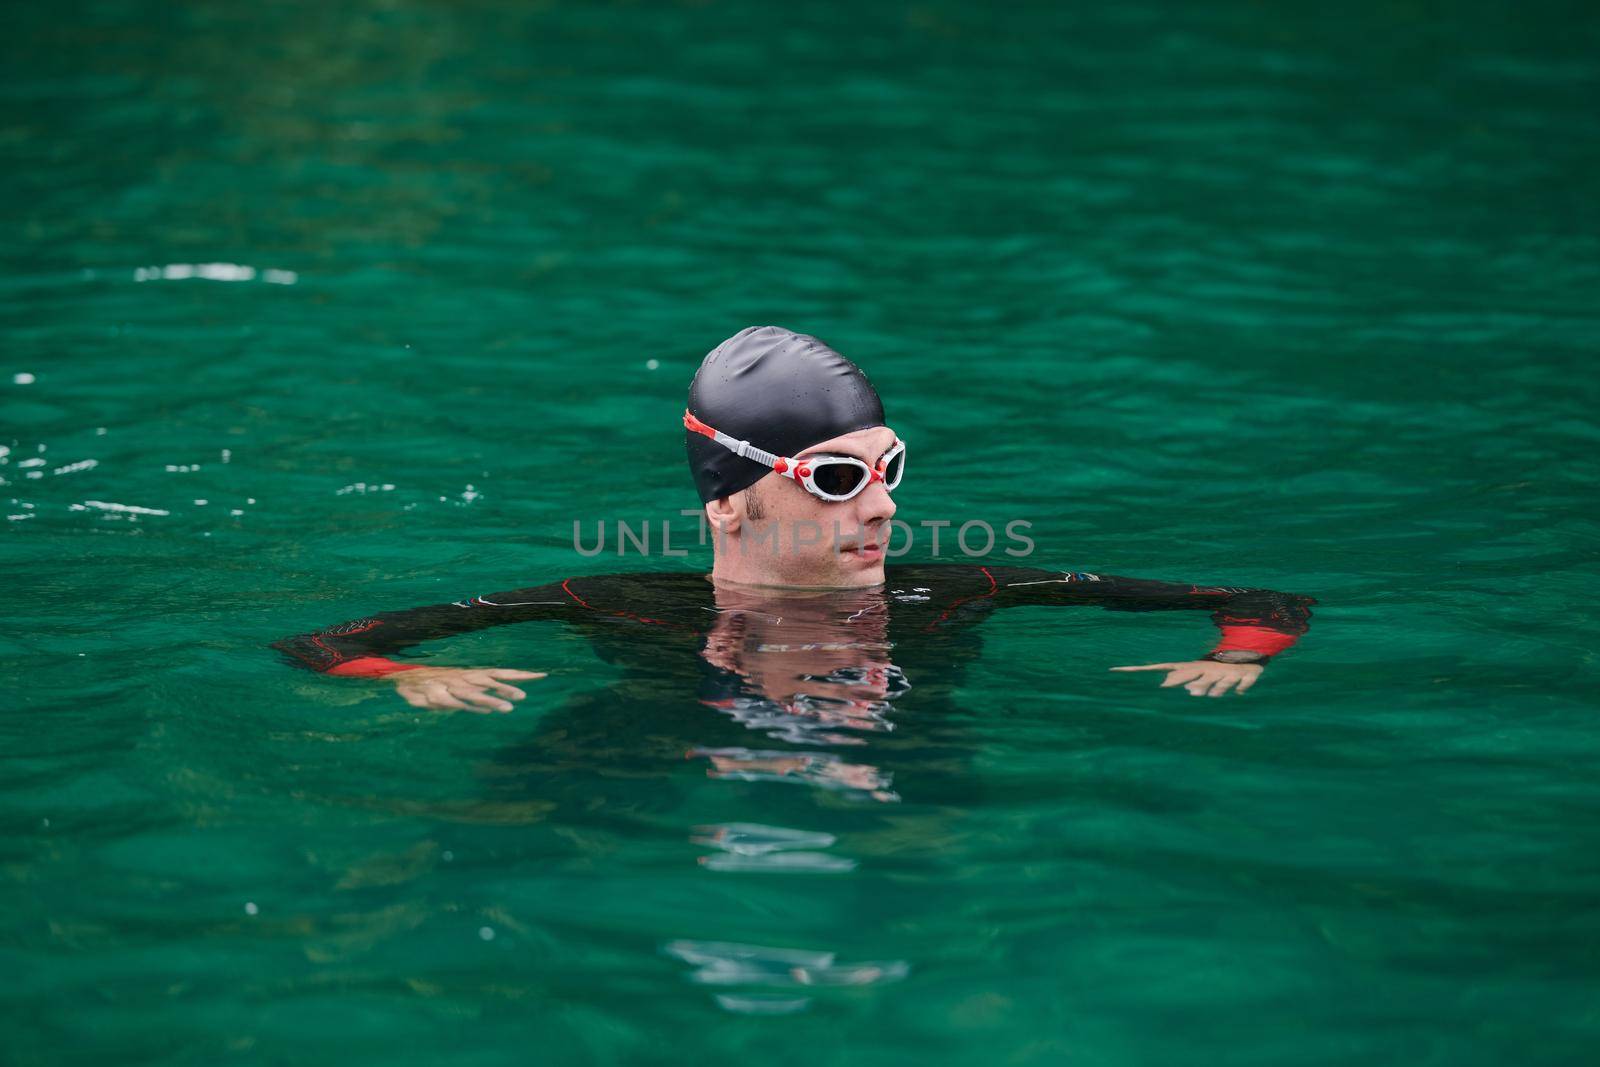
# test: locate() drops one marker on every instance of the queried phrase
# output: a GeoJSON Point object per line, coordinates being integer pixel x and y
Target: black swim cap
{"type": "Point", "coordinates": [781, 391]}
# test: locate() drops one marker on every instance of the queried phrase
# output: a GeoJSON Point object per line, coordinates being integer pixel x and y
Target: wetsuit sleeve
{"type": "Point", "coordinates": [361, 647]}
{"type": "Point", "coordinates": [1252, 620]}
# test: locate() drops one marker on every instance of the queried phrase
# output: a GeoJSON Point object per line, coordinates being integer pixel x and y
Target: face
{"type": "Point", "coordinates": [782, 535]}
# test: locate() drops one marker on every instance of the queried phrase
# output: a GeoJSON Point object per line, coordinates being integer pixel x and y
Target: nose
{"type": "Point", "coordinates": [877, 506]}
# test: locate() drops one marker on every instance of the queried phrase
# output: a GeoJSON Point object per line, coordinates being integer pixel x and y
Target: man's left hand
{"type": "Point", "coordinates": [1204, 677]}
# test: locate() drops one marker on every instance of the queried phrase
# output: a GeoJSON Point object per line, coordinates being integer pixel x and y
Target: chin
{"type": "Point", "coordinates": [871, 576]}
{"type": "Point", "coordinates": [855, 571]}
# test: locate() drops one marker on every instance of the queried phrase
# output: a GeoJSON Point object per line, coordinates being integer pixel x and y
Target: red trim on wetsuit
{"type": "Point", "coordinates": [1253, 639]}
{"type": "Point", "coordinates": [566, 588]}
{"type": "Point", "coordinates": [945, 614]}
{"type": "Point", "coordinates": [370, 667]}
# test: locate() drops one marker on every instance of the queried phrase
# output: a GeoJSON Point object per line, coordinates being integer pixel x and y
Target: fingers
{"type": "Point", "coordinates": [1202, 679]}
{"type": "Point", "coordinates": [1181, 676]}
{"type": "Point", "coordinates": [475, 697]}
{"type": "Point", "coordinates": [486, 680]}
{"type": "Point", "coordinates": [414, 698]}
{"type": "Point", "coordinates": [455, 689]}
{"type": "Point", "coordinates": [437, 696]}
{"type": "Point", "coordinates": [496, 680]}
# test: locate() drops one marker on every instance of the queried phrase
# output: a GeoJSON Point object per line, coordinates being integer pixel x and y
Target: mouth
{"type": "Point", "coordinates": [868, 551]}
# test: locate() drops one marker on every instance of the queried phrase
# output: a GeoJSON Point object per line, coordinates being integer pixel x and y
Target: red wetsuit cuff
{"type": "Point", "coordinates": [1253, 639]}
{"type": "Point", "coordinates": [370, 667]}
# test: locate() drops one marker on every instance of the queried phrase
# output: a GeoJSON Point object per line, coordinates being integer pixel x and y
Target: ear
{"type": "Point", "coordinates": [723, 514]}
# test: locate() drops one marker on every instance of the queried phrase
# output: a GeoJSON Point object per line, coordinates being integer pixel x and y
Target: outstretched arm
{"type": "Point", "coordinates": [1254, 624]}
{"type": "Point", "coordinates": [362, 648]}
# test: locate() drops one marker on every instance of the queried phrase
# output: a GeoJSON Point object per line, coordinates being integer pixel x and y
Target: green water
{"type": "Point", "coordinates": [1237, 293]}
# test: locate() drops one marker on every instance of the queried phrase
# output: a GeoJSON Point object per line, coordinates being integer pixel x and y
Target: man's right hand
{"type": "Point", "coordinates": [461, 688]}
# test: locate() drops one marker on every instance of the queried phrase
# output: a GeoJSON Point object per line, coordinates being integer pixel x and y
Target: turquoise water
{"type": "Point", "coordinates": [360, 304]}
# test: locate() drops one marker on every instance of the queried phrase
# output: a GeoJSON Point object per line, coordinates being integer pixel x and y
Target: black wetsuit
{"type": "Point", "coordinates": [923, 602]}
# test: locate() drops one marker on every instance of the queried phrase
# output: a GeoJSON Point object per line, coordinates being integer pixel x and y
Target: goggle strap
{"type": "Point", "coordinates": [750, 451]}
{"type": "Point", "coordinates": [744, 449]}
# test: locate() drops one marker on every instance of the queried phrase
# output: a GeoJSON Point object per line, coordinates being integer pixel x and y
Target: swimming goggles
{"type": "Point", "coordinates": [832, 478]}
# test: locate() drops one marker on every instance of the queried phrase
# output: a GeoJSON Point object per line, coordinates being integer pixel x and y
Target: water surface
{"type": "Point", "coordinates": [364, 305]}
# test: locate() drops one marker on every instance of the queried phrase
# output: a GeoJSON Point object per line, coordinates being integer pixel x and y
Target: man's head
{"type": "Point", "coordinates": [802, 412]}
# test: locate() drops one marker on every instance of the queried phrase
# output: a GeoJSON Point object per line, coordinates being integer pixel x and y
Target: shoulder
{"type": "Point", "coordinates": [995, 575]}
{"type": "Point", "coordinates": [679, 596]}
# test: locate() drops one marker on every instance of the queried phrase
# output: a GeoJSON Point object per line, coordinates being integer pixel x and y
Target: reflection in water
{"type": "Point", "coordinates": [215, 272]}
{"type": "Point", "coordinates": [753, 839]}
{"type": "Point", "coordinates": [807, 719]}
{"type": "Point", "coordinates": [752, 847]}
{"type": "Point", "coordinates": [823, 770]}
{"type": "Point", "coordinates": [804, 670]}
{"type": "Point", "coordinates": [762, 1004]}
{"type": "Point", "coordinates": [729, 963]}
{"type": "Point", "coordinates": [807, 670]}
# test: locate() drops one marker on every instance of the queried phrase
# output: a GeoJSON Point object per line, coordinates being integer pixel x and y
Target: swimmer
{"type": "Point", "coordinates": [795, 464]}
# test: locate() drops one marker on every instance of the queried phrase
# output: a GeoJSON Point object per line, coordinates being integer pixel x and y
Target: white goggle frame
{"type": "Point", "coordinates": [805, 470]}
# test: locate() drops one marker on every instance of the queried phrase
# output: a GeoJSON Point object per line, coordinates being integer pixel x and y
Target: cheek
{"type": "Point", "coordinates": [792, 510]}
{"type": "Point", "coordinates": [803, 507]}
{"type": "Point", "coordinates": [822, 516]}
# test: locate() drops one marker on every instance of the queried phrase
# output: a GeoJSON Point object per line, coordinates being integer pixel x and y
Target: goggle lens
{"type": "Point", "coordinates": [838, 478]}
{"type": "Point", "coordinates": [894, 469]}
